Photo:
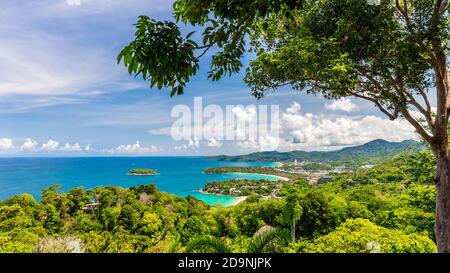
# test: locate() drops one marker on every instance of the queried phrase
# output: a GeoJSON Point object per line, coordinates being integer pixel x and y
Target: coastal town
{"type": "Point", "coordinates": [287, 173]}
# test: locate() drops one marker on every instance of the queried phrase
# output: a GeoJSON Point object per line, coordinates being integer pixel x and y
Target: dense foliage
{"type": "Point", "coordinates": [251, 169]}
{"type": "Point", "coordinates": [388, 208]}
{"type": "Point", "coordinates": [241, 187]}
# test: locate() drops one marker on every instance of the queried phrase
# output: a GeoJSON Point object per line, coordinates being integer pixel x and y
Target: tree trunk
{"type": "Point", "coordinates": [442, 225]}
{"type": "Point", "coordinates": [440, 148]}
{"type": "Point", "coordinates": [293, 230]}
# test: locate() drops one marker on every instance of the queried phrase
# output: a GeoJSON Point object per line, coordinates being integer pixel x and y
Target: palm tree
{"type": "Point", "coordinates": [268, 242]}
{"type": "Point", "coordinates": [207, 244]}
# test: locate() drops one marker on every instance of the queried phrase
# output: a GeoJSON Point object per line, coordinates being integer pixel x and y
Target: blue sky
{"type": "Point", "coordinates": [62, 93]}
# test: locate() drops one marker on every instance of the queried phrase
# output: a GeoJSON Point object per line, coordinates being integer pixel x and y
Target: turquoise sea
{"type": "Point", "coordinates": [178, 175]}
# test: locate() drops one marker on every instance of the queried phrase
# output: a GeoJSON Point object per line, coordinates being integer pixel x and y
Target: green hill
{"type": "Point", "coordinates": [369, 153]}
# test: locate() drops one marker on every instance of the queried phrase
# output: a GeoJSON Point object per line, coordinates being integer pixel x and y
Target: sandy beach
{"type": "Point", "coordinates": [280, 177]}
{"type": "Point", "coordinates": [238, 200]}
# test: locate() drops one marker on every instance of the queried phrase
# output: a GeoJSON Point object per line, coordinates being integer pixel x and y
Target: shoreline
{"type": "Point", "coordinates": [273, 175]}
{"type": "Point", "coordinates": [130, 174]}
{"type": "Point", "coordinates": [280, 164]}
{"type": "Point", "coordinates": [237, 199]}
{"type": "Point", "coordinates": [280, 177]}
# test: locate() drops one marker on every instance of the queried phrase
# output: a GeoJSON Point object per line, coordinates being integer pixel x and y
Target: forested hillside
{"type": "Point", "coordinates": [388, 208]}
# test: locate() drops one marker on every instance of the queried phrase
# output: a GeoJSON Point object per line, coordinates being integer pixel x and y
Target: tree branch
{"type": "Point", "coordinates": [419, 129]}
{"type": "Point", "coordinates": [392, 116]}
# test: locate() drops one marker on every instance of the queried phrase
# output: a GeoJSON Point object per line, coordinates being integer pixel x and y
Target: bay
{"type": "Point", "coordinates": [178, 175]}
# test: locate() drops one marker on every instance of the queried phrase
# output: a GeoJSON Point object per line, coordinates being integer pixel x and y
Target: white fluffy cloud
{"type": "Point", "coordinates": [264, 143]}
{"type": "Point", "coordinates": [308, 130]}
{"type": "Point", "coordinates": [71, 148]}
{"type": "Point", "coordinates": [343, 104]}
{"type": "Point", "coordinates": [294, 108]}
{"type": "Point", "coordinates": [135, 148]}
{"type": "Point", "coordinates": [29, 145]}
{"type": "Point", "coordinates": [51, 145]}
{"type": "Point", "coordinates": [302, 131]}
{"type": "Point", "coordinates": [212, 142]}
{"type": "Point", "coordinates": [194, 143]}
{"type": "Point", "coordinates": [88, 148]}
{"type": "Point", "coordinates": [244, 114]}
{"type": "Point", "coordinates": [5, 144]}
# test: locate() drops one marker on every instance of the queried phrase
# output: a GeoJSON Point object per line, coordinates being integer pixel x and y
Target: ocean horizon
{"type": "Point", "coordinates": [179, 175]}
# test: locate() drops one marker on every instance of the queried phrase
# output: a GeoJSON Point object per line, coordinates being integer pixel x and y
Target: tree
{"type": "Point", "coordinates": [421, 167]}
{"type": "Point", "coordinates": [149, 224]}
{"type": "Point", "coordinates": [272, 241]}
{"type": "Point", "coordinates": [317, 216]}
{"type": "Point", "coordinates": [129, 217]}
{"type": "Point", "coordinates": [77, 199]}
{"type": "Point", "coordinates": [360, 235]}
{"type": "Point", "coordinates": [292, 211]}
{"type": "Point", "coordinates": [110, 217]}
{"type": "Point", "coordinates": [50, 218]}
{"type": "Point", "coordinates": [194, 226]}
{"type": "Point", "coordinates": [207, 244]}
{"type": "Point", "coordinates": [393, 55]}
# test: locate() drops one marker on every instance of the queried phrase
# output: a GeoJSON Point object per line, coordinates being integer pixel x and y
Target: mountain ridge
{"type": "Point", "coordinates": [371, 152]}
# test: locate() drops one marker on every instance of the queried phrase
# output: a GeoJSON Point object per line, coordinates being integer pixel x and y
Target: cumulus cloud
{"type": "Point", "coordinates": [194, 143]}
{"type": "Point", "coordinates": [180, 147]}
{"type": "Point", "coordinates": [51, 145]}
{"type": "Point", "coordinates": [6, 144]}
{"type": "Point", "coordinates": [264, 143]}
{"type": "Point", "coordinates": [301, 131]}
{"type": "Point", "coordinates": [135, 148]}
{"type": "Point", "coordinates": [294, 108]}
{"type": "Point", "coordinates": [88, 148]}
{"type": "Point", "coordinates": [308, 130]}
{"type": "Point", "coordinates": [244, 114]}
{"type": "Point", "coordinates": [343, 104]}
{"type": "Point", "coordinates": [71, 148]}
{"type": "Point", "coordinates": [29, 145]}
{"type": "Point", "coordinates": [212, 142]}
{"type": "Point", "coordinates": [213, 128]}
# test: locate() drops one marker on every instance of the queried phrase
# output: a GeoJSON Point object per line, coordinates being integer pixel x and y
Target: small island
{"type": "Point", "coordinates": [142, 172]}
